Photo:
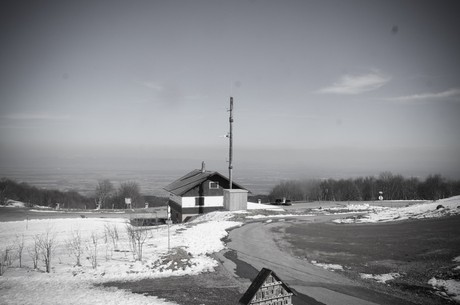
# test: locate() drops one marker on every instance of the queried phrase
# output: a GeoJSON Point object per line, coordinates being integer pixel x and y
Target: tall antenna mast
{"type": "Point", "coordinates": [230, 152]}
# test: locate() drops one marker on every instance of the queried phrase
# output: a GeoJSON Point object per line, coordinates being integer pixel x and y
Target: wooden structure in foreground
{"type": "Point", "coordinates": [267, 289]}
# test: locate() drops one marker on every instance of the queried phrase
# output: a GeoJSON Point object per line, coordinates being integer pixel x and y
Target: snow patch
{"type": "Point", "coordinates": [447, 288]}
{"type": "Point", "coordinates": [428, 209]}
{"type": "Point", "coordinates": [13, 204]}
{"type": "Point", "coordinates": [381, 278]}
{"type": "Point", "coordinates": [260, 216]}
{"type": "Point", "coordinates": [261, 206]}
{"type": "Point", "coordinates": [328, 266]}
{"type": "Point", "coordinates": [191, 245]}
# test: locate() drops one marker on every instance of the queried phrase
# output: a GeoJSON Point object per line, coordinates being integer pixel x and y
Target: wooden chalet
{"type": "Point", "coordinates": [267, 289]}
{"type": "Point", "coordinates": [201, 191]}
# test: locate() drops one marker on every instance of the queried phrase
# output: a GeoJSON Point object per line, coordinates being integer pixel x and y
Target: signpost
{"type": "Point", "coordinates": [128, 203]}
{"type": "Point", "coordinates": [169, 222]}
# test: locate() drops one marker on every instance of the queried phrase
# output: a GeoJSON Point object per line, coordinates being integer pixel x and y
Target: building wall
{"type": "Point", "coordinates": [210, 201]}
{"type": "Point", "coordinates": [204, 188]}
{"type": "Point", "coordinates": [235, 200]}
{"type": "Point", "coordinates": [202, 199]}
{"type": "Point", "coordinates": [180, 214]}
{"type": "Point", "coordinates": [272, 292]}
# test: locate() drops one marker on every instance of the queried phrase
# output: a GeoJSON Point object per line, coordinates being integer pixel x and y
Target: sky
{"type": "Point", "coordinates": [322, 87]}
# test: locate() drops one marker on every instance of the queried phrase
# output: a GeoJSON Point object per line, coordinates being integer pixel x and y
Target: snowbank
{"type": "Point", "coordinates": [429, 209]}
{"type": "Point", "coordinates": [260, 216]}
{"type": "Point", "coordinates": [261, 206]}
{"type": "Point", "coordinates": [351, 208]}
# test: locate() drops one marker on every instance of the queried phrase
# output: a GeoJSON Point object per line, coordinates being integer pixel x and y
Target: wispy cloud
{"type": "Point", "coordinates": [152, 85]}
{"type": "Point", "coordinates": [170, 93]}
{"type": "Point", "coordinates": [35, 116]}
{"type": "Point", "coordinates": [356, 84]}
{"type": "Point", "coordinates": [454, 92]}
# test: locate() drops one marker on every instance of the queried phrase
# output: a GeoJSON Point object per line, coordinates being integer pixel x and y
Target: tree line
{"type": "Point", "coordinates": [31, 195]}
{"type": "Point", "coordinates": [387, 185]}
{"type": "Point", "coordinates": [106, 196]}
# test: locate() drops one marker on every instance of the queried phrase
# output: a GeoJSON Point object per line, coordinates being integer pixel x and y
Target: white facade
{"type": "Point", "coordinates": [211, 201]}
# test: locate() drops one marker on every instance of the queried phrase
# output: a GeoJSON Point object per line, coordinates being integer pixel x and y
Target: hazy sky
{"type": "Point", "coordinates": [326, 86]}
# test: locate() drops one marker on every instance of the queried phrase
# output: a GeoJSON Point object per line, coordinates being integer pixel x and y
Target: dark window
{"type": "Point", "coordinates": [213, 185]}
{"type": "Point", "coordinates": [199, 201]}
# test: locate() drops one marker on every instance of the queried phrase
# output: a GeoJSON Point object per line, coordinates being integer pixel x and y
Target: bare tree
{"type": "Point", "coordinates": [47, 245]}
{"type": "Point", "coordinates": [104, 190]}
{"type": "Point", "coordinates": [137, 238]}
{"type": "Point", "coordinates": [20, 248]}
{"type": "Point", "coordinates": [74, 244]}
{"type": "Point", "coordinates": [34, 252]}
{"type": "Point", "coordinates": [112, 232]}
{"type": "Point", "coordinates": [129, 190]}
{"type": "Point", "coordinates": [3, 187]}
{"type": "Point", "coordinates": [6, 259]}
{"type": "Point", "coordinates": [92, 249]}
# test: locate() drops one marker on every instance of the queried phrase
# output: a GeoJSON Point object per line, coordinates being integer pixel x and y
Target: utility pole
{"type": "Point", "coordinates": [230, 136]}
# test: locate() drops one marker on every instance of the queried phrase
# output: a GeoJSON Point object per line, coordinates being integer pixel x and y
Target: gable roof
{"type": "Point", "coordinates": [258, 282]}
{"type": "Point", "coordinates": [193, 179]}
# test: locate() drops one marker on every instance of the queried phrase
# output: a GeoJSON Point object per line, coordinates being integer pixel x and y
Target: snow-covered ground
{"type": "Point", "coordinates": [445, 207]}
{"type": "Point", "coordinates": [349, 208]}
{"type": "Point", "coordinates": [428, 209]}
{"type": "Point", "coordinates": [447, 288]}
{"type": "Point", "coordinates": [261, 206]}
{"type": "Point", "coordinates": [332, 267]}
{"type": "Point", "coordinates": [72, 284]}
{"type": "Point", "coordinates": [13, 204]}
{"type": "Point", "coordinates": [381, 278]}
{"type": "Point", "coordinates": [190, 246]}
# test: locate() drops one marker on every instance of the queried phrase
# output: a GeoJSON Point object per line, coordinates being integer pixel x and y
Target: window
{"type": "Point", "coordinates": [199, 201]}
{"type": "Point", "coordinates": [213, 185]}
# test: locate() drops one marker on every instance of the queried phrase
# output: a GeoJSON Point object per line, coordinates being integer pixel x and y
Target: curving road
{"type": "Point", "coordinates": [255, 245]}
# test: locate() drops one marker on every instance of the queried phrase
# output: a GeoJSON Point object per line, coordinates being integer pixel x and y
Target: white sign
{"type": "Point", "coordinates": [128, 200]}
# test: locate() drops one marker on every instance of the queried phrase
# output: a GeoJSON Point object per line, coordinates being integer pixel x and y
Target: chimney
{"type": "Point", "coordinates": [203, 167]}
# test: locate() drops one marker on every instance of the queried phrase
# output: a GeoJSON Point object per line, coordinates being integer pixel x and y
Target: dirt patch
{"type": "Point", "coordinates": [176, 259]}
{"type": "Point", "coordinates": [418, 250]}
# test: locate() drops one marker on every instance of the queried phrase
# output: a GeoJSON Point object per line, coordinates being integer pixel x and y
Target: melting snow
{"type": "Point", "coordinates": [448, 288]}
{"type": "Point", "coordinates": [328, 266]}
{"type": "Point", "coordinates": [429, 209]}
{"type": "Point", "coordinates": [13, 204]}
{"type": "Point", "coordinates": [381, 278]}
{"type": "Point", "coordinates": [75, 285]}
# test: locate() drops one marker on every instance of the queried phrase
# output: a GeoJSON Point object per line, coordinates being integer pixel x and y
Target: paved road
{"type": "Point", "coordinates": [255, 245]}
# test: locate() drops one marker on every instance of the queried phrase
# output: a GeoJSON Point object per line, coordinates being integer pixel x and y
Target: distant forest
{"type": "Point", "coordinates": [31, 195]}
{"type": "Point", "coordinates": [392, 187]}
{"type": "Point", "coordinates": [113, 198]}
